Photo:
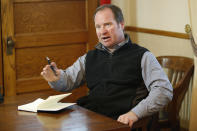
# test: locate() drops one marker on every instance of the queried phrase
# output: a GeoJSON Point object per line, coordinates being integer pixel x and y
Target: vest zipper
{"type": "Point", "coordinates": [110, 64]}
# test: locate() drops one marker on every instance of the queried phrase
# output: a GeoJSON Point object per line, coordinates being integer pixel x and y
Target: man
{"type": "Point", "coordinates": [115, 72]}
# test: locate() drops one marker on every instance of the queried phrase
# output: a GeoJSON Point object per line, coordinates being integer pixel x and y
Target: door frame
{"type": "Point", "coordinates": [9, 76]}
{"type": "Point", "coordinates": [1, 60]}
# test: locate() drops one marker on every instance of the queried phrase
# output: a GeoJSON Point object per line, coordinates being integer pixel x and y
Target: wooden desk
{"type": "Point", "coordinates": [74, 118]}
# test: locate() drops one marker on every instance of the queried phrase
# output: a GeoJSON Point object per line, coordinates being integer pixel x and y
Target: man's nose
{"type": "Point", "coordinates": [103, 30]}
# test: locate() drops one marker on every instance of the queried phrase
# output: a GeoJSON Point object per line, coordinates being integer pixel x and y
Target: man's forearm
{"type": "Point", "coordinates": [72, 77]}
{"type": "Point", "coordinates": [156, 100]}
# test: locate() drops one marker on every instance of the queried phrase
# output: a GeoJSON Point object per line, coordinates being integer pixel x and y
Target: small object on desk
{"type": "Point", "coordinates": [52, 68]}
{"type": "Point", "coordinates": [50, 104]}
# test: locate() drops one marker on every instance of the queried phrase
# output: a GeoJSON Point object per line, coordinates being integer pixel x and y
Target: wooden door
{"type": "Point", "coordinates": [63, 30]}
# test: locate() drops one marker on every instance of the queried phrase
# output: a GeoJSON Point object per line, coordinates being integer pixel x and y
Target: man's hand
{"type": "Point", "coordinates": [49, 75]}
{"type": "Point", "coordinates": [128, 118]}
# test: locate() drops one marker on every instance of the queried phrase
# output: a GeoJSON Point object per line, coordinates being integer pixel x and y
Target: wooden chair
{"type": "Point", "coordinates": [179, 70]}
{"type": "Point", "coordinates": [148, 123]}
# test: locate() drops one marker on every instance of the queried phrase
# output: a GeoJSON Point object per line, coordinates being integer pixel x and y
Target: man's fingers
{"type": "Point", "coordinates": [123, 119]}
{"type": "Point", "coordinates": [120, 119]}
{"type": "Point", "coordinates": [48, 74]}
{"type": "Point", "coordinates": [54, 65]}
{"type": "Point", "coordinates": [47, 67]}
{"type": "Point", "coordinates": [127, 119]}
{"type": "Point", "coordinates": [130, 123]}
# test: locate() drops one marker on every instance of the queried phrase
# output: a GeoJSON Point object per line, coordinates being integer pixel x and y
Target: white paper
{"type": "Point", "coordinates": [50, 104]}
{"type": "Point", "coordinates": [31, 106]}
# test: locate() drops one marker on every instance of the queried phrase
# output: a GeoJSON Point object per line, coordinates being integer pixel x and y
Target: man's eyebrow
{"type": "Point", "coordinates": [107, 23]}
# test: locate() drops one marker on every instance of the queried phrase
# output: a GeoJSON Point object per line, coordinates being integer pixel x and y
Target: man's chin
{"type": "Point", "coordinates": [106, 44]}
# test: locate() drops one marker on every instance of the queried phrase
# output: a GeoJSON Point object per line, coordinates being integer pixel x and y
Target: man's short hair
{"type": "Point", "coordinates": [115, 10]}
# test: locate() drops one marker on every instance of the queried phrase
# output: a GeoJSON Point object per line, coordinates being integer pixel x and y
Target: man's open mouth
{"type": "Point", "coordinates": [105, 38]}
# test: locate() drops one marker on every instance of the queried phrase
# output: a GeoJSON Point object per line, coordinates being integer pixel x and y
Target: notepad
{"type": "Point", "coordinates": [50, 104]}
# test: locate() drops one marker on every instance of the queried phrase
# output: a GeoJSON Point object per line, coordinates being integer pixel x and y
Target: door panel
{"type": "Point", "coordinates": [29, 62]}
{"type": "Point", "coordinates": [47, 39]}
{"type": "Point", "coordinates": [59, 29]}
{"type": "Point", "coordinates": [54, 16]}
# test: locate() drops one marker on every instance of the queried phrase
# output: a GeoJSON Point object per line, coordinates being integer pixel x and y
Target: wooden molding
{"type": "Point", "coordinates": [25, 1]}
{"type": "Point", "coordinates": [157, 32]}
{"type": "Point", "coordinates": [45, 39]}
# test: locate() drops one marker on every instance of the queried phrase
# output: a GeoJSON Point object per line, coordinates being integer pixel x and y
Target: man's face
{"type": "Point", "coordinates": [108, 31]}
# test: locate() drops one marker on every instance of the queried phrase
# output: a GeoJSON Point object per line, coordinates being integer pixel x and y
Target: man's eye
{"type": "Point", "coordinates": [108, 24]}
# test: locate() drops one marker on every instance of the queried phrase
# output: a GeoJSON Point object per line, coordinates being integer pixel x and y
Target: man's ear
{"type": "Point", "coordinates": [122, 25]}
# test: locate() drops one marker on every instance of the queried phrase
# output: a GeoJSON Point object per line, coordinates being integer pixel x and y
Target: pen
{"type": "Point", "coordinates": [52, 68]}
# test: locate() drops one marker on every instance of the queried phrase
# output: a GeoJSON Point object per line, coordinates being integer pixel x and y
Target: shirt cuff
{"type": "Point", "coordinates": [140, 110]}
{"type": "Point", "coordinates": [59, 84]}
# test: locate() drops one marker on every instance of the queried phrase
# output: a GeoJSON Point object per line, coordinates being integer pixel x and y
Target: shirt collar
{"type": "Point", "coordinates": [100, 46]}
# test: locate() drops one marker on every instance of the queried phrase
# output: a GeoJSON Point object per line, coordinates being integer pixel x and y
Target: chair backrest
{"type": "Point", "coordinates": [180, 71]}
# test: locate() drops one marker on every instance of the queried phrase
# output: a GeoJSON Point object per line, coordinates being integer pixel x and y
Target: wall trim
{"type": "Point", "coordinates": [157, 32]}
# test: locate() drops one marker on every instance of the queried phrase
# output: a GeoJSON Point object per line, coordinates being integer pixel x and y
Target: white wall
{"type": "Point", "coordinates": [162, 45]}
{"type": "Point", "coordinates": [168, 15]}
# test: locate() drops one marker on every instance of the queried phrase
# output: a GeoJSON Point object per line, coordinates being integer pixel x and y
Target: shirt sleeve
{"type": "Point", "coordinates": [72, 77]}
{"type": "Point", "coordinates": [158, 85]}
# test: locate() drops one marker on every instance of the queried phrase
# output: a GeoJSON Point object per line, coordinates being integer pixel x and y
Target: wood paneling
{"type": "Point", "coordinates": [29, 62]}
{"type": "Point", "coordinates": [53, 16]}
{"type": "Point", "coordinates": [92, 38]}
{"type": "Point", "coordinates": [59, 29]}
{"type": "Point", "coordinates": [46, 39]}
{"type": "Point", "coordinates": [157, 32]}
{"type": "Point", "coordinates": [31, 85]}
{"type": "Point", "coordinates": [29, 1]}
